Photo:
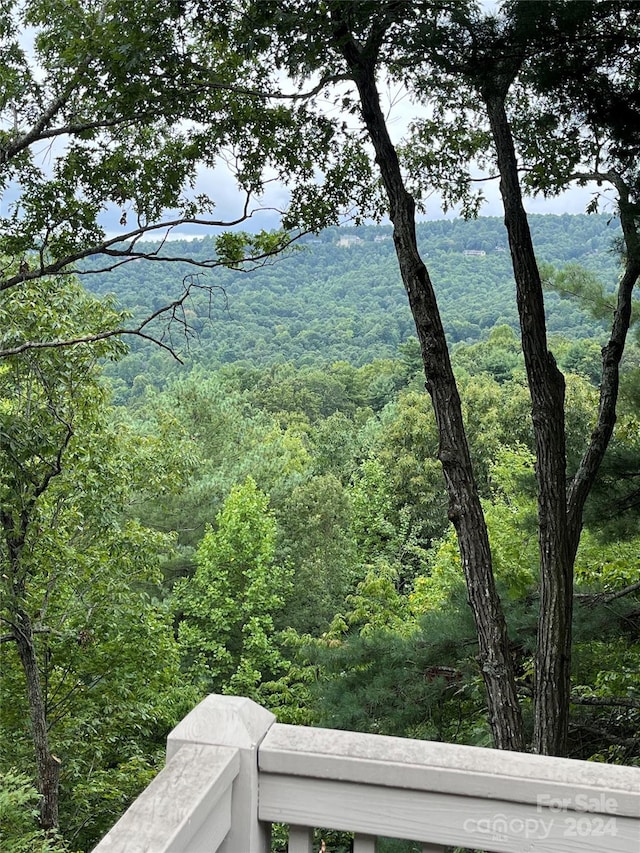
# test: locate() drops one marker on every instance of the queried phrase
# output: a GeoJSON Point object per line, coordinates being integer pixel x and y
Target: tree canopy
{"type": "Point", "coordinates": [484, 77]}
{"type": "Point", "coordinates": [301, 532]}
{"type": "Point", "coordinates": [110, 114]}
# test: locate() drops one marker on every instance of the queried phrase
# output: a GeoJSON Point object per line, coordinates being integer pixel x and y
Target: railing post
{"type": "Point", "coordinates": [241, 723]}
{"type": "Point", "coordinates": [300, 839]}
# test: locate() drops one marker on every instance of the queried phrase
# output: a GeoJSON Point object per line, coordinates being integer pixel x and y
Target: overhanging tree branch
{"type": "Point", "coordinates": [168, 311]}
{"type": "Point", "coordinates": [109, 247]}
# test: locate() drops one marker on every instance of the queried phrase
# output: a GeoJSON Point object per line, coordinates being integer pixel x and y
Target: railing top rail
{"type": "Point", "coordinates": [232, 771]}
{"type": "Point", "coordinates": [448, 768]}
{"type": "Point", "coordinates": [169, 812]}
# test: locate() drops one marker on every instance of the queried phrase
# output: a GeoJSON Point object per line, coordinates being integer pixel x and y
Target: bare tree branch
{"type": "Point", "coordinates": [137, 331]}
{"type": "Point", "coordinates": [11, 638]}
{"type": "Point", "coordinates": [592, 599]}
{"type": "Point", "coordinates": [606, 701]}
{"type": "Point", "coordinates": [203, 83]}
{"type": "Point", "coordinates": [12, 148]}
{"type": "Point", "coordinates": [611, 356]}
{"type": "Point", "coordinates": [109, 247]}
{"type": "Point", "coordinates": [608, 736]}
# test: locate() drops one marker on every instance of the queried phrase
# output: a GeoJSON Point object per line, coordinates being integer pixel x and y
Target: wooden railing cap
{"type": "Point", "coordinates": [222, 720]}
{"type": "Point", "coordinates": [170, 811]}
{"type": "Point", "coordinates": [441, 767]}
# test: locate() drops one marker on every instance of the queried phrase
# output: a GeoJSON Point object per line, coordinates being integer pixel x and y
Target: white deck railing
{"type": "Point", "coordinates": [232, 770]}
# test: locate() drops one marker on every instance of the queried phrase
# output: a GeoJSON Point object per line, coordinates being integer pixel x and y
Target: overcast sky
{"type": "Point", "coordinates": [229, 201]}
{"type": "Point", "coordinates": [220, 185]}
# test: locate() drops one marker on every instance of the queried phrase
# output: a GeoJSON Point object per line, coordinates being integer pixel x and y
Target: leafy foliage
{"type": "Point", "coordinates": [18, 814]}
{"type": "Point", "coordinates": [226, 630]}
{"type": "Point", "coordinates": [76, 576]}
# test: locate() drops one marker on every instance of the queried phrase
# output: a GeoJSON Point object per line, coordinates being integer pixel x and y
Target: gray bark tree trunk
{"type": "Point", "coordinates": [47, 764]}
{"type": "Point", "coordinates": [560, 509]}
{"type": "Point", "coordinates": [465, 511]}
{"type": "Point", "coordinates": [546, 386]}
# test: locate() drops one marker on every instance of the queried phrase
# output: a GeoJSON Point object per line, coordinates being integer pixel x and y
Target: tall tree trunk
{"type": "Point", "coordinates": [547, 387]}
{"type": "Point", "coordinates": [611, 355]}
{"type": "Point", "coordinates": [465, 510]}
{"type": "Point", "coordinates": [47, 765]}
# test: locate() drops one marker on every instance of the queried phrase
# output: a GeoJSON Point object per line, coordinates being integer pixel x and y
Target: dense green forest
{"type": "Point", "coordinates": [381, 477]}
{"type": "Point", "coordinates": [338, 295]}
{"type": "Point", "coordinates": [279, 530]}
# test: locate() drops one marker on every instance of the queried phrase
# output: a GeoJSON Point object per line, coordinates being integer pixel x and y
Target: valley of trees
{"type": "Point", "coordinates": [278, 529]}
{"type": "Point", "coordinates": [308, 306]}
{"type": "Point", "coordinates": [221, 467]}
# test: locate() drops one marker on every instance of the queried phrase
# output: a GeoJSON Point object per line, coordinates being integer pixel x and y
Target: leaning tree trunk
{"type": "Point", "coordinates": [611, 356]}
{"type": "Point", "coordinates": [465, 510]}
{"type": "Point", "coordinates": [546, 384]}
{"type": "Point", "coordinates": [47, 765]}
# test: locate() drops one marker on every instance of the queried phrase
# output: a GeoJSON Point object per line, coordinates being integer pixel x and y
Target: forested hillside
{"type": "Point", "coordinates": [281, 532]}
{"type": "Point", "coordinates": [338, 296]}
{"type": "Point", "coordinates": [376, 477]}
{"type": "Point", "coordinates": [278, 529]}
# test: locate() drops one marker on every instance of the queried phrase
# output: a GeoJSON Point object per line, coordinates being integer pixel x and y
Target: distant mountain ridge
{"type": "Point", "coordinates": [339, 296]}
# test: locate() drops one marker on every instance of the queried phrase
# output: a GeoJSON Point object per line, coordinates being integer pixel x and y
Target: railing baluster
{"type": "Point", "coordinates": [433, 848]}
{"type": "Point", "coordinates": [300, 839]}
{"type": "Point", "coordinates": [364, 843]}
